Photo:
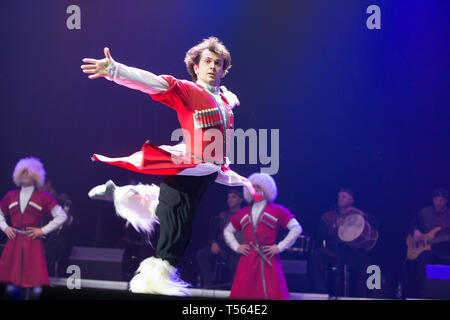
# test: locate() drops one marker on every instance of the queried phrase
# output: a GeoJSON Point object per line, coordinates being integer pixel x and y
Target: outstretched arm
{"type": "Point", "coordinates": [121, 74]}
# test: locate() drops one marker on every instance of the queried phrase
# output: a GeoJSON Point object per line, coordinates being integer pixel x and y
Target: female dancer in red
{"type": "Point", "coordinates": [259, 274]}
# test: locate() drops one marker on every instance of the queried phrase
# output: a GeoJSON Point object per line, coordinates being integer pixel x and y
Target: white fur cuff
{"type": "Point", "coordinates": [157, 276]}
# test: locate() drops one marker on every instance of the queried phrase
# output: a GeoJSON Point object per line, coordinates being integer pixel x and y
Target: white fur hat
{"type": "Point", "coordinates": [34, 167]}
{"type": "Point", "coordinates": [266, 182]}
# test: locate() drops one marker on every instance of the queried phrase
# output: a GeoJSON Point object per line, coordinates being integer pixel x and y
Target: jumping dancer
{"type": "Point", "coordinates": [204, 112]}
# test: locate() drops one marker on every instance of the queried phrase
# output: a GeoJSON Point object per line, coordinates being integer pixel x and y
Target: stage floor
{"type": "Point", "coordinates": [122, 287]}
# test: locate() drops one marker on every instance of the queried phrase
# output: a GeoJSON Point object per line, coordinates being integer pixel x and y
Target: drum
{"type": "Point", "coordinates": [357, 232]}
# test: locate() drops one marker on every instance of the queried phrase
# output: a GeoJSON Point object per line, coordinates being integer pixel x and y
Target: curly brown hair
{"type": "Point", "coordinates": [213, 44]}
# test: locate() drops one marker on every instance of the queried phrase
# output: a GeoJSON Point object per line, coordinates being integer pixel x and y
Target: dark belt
{"type": "Point", "coordinates": [260, 253]}
{"type": "Point", "coordinates": [20, 230]}
{"type": "Point", "coordinates": [24, 231]}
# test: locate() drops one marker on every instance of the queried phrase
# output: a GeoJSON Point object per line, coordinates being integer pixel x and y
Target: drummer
{"type": "Point", "coordinates": [330, 255]}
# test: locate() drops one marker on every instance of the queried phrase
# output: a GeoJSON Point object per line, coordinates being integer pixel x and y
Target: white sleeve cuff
{"type": "Point", "coordinates": [59, 217]}
{"type": "Point", "coordinates": [112, 70]}
{"type": "Point", "coordinates": [3, 224]}
{"type": "Point", "coordinates": [295, 229]}
{"type": "Point", "coordinates": [230, 239]}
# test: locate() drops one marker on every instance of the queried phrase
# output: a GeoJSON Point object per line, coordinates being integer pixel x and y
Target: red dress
{"type": "Point", "coordinates": [255, 277]}
{"type": "Point", "coordinates": [23, 260]}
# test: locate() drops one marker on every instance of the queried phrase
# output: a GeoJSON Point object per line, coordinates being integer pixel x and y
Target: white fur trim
{"type": "Point", "coordinates": [34, 167]}
{"type": "Point", "coordinates": [157, 276]}
{"type": "Point", "coordinates": [266, 182]}
{"type": "Point", "coordinates": [137, 204]}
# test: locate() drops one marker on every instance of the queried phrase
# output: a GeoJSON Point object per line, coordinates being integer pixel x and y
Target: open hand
{"type": "Point", "coordinates": [97, 67]}
{"type": "Point", "coordinates": [34, 233]}
{"type": "Point", "coordinates": [243, 249]}
{"type": "Point", "coordinates": [270, 251]}
{"type": "Point", "coordinates": [10, 233]}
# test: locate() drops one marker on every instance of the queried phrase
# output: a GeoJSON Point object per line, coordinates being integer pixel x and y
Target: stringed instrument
{"type": "Point", "coordinates": [415, 248]}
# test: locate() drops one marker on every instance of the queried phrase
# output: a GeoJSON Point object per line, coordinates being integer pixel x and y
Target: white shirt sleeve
{"type": "Point", "coordinates": [134, 78]}
{"type": "Point", "coordinates": [3, 224]}
{"type": "Point", "coordinates": [230, 239]}
{"type": "Point", "coordinates": [59, 217]}
{"type": "Point", "coordinates": [295, 229]}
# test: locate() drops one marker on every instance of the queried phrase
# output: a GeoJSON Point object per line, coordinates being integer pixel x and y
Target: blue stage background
{"type": "Point", "coordinates": [358, 108]}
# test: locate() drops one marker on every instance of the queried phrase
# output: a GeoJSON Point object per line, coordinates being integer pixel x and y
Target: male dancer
{"type": "Point", "coordinates": [190, 167]}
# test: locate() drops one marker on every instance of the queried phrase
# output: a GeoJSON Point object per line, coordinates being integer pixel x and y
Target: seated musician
{"type": "Point", "coordinates": [216, 248]}
{"type": "Point", "coordinates": [331, 253]}
{"type": "Point", "coordinates": [423, 226]}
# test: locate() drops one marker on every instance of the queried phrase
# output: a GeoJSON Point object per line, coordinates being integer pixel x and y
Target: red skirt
{"type": "Point", "coordinates": [256, 279]}
{"type": "Point", "coordinates": [151, 159]}
{"type": "Point", "coordinates": [173, 160]}
{"type": "Point", "coordinates": [23, 262]}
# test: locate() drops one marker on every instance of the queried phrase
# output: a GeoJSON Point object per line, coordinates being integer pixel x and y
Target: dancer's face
{"type": "Point", "coordinates": [259, 190]}
{"type": "Point", "coordinates": [210, 68]}
{"type": "Point", "coordinates": [26, 179]}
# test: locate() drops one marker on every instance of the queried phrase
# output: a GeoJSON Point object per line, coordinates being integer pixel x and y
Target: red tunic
{"type": "Point", "coordinates": [23, 261]}
{"type": "Point", "coordinates": [255, 278]}
{"type": "Point", "coordinates": [197, 112]}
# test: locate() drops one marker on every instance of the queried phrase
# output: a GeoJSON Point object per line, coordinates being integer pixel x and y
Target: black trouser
{"type": "Point", "coordinates": [327, 272]}
{"type": "Point", "coordinates": [206, 261]}
{"type": "Point", "coordinates": [179, 196]}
